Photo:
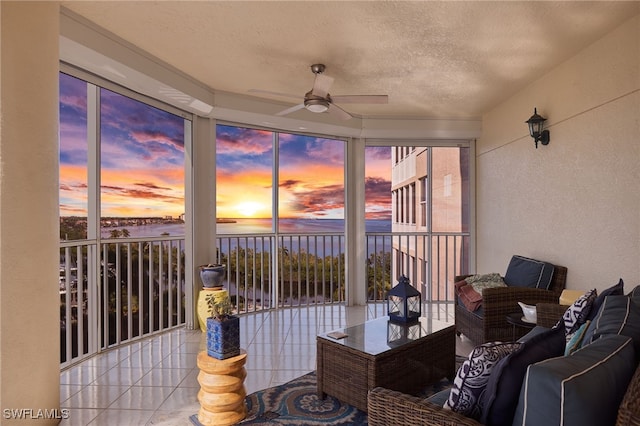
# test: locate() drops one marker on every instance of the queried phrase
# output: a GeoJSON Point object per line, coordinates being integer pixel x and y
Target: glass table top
{"type": "Point", "coordinates": [380, 335]}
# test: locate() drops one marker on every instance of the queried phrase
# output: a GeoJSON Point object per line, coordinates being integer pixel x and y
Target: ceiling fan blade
{"type": "Point", "coordinates": [338, 112]}
{"type": "Point", "coordinates": [269, 92]}
{"type": "Point", "coordinates": [321, 85]}
{"type": "Point", "coordinates": [290, 110]}
{"type": "Point", "coordinates": [361, 99]}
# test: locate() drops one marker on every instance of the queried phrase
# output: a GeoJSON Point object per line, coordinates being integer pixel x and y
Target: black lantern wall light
{"type": "Point", "coordinates": [536, 124]}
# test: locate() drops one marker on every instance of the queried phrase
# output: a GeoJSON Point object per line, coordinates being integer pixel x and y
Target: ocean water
{"type": "Point", "coordinates": [254, 226]}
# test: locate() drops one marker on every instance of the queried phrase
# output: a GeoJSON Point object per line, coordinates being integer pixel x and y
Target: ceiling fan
{"type": "Point", "coordinates": [318, 99]}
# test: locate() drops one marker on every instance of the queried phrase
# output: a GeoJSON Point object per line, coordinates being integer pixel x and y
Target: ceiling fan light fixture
{"type": "Point", "coordinates": [316, 105]}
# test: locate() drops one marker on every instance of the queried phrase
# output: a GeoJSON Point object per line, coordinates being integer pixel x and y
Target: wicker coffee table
{"type": "Point", "coordinates": [372, 355]}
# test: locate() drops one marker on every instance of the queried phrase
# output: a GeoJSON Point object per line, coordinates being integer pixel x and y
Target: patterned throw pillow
{"type": "Point", "coordinates": [472, 377]}
{"type": "Point", "coordinates": [577, 314]}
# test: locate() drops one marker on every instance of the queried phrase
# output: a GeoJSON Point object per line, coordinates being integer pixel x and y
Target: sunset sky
{"type": "Point", "coordinates": [142, 165]}
{"type": "Point", "coordinates": [142, 155]}
{"type": "Point", "coordinates": [311, 180]}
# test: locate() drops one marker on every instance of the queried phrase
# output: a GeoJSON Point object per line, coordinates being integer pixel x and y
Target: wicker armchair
{"type": "Point", "coordinates": [389, 408]}
{"type": "Point", "coordinates": [498, 302]}
{"type": "Point", "coordinates": [548, 314]}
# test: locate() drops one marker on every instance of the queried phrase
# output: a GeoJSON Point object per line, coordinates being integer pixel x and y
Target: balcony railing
{"type": "Point", "coordinates": [128, 288]}
{"type": "Point", "coordinates": [430, 261]}
{"type": "Point", "coordinates": [123, 290]}
{"type": "Point", "coordinates": [310, 269]}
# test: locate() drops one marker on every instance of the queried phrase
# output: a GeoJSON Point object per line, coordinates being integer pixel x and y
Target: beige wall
{"type": "Point", "coordinates": [575, 202]}
{"type": "Point", "coordinates": [29, 229]}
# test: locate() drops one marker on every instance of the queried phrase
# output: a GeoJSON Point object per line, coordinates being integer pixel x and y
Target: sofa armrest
{"type": "Point", "coordinates": [387, 408]}
{"type": "Point", "coordinates": [629, 410]}
{"type": "Point", "coordinates": [548, 314]}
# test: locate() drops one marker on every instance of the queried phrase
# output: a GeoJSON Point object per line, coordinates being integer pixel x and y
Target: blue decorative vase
{"type": "Point", "coordinates": [223, 337]}
{"type": "Point", "coordinates": [212, 275]}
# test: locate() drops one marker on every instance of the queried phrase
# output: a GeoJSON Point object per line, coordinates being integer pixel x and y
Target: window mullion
{"type": "Point", "coordinates": [275, 178]}
{"type": "Point", "coordinates": [93, 161]}
{"type": "Point", "coordinates": [93, 213]}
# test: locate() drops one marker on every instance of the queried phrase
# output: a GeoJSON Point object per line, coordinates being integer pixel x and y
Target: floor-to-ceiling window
{"type": "Point", "coordinates": [378, 219]}
{"type": "Point", "coordinates": [288, 191]}
{"type": "Point", "coordinates": [121, 217]}
{"type": "Point", "coordinates": [427, 207]}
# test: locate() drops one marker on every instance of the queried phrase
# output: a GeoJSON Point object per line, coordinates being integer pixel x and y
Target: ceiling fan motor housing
{"type": "Point", "coordinates": [316, 104]}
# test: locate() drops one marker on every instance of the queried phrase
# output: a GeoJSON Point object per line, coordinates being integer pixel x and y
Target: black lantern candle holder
{"type": "Point", "coordinates": [404, 302]}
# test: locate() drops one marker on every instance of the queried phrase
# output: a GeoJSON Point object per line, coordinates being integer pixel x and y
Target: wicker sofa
{"type": "Point", "coordinates": [489, 323]}
{"type": "Point", "coordinates": [606, 368]}
{"type": "Point", "coordinates": [389, 408]}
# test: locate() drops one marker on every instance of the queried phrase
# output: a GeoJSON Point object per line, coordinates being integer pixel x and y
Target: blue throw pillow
{"type": "Point", "coordinates": [500, 399]}
{"type": "Point", "coordinates": [618, 315]}
{"type": "Point", "coordinates": [635, 293]}
{"type": "Point", "coordinates": [472, 377]}
{"type": "Point", "coordinates": [615, 290]}
{"type": "Point", "coordinates": [525, 272]}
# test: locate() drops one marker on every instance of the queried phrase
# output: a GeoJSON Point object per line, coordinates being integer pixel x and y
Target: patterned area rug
{"type": "Point", "coordinates": [297, 403]}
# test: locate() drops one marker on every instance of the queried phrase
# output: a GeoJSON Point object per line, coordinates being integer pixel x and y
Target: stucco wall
{"type": "Point", "coordinates": [575, 202]}
{"type": "Point", "coordinates": [29, 227]}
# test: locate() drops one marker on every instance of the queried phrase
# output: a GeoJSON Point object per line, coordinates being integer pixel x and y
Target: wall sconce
{"type": "Point", "coordinates": [536, 123]}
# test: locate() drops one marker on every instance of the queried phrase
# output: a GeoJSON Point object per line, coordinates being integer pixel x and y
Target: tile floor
{"type": "Point", "coordinates": [154, 381]}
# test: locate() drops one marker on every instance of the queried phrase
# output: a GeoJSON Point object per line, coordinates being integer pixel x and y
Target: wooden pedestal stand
{"type": "Point", "coordinates": [222, 390]}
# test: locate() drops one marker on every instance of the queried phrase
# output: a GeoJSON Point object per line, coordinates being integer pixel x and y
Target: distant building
{"type": "Point", "coordinates": [448, 215]}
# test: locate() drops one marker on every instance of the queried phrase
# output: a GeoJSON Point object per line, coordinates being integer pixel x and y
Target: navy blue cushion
{"type": "Point", "coordinates": [635, 293]}
{"type": "Point", "coordinates": [615, 290]}
{"type": "Point", "coordinates": [500, 399]}
{"type": "Point", "coordinates": [538, 329]}
{"type": "Point", "coordinates": [525, 272]}
{"type": "Point", "coordinates": [618, 315]}
{"type": "Point", "coordinates": [584, 388]}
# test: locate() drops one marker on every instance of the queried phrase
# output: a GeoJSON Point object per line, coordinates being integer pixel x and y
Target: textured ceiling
{"type": "Point", "coordinates": [433, 59]}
